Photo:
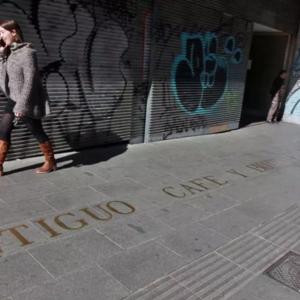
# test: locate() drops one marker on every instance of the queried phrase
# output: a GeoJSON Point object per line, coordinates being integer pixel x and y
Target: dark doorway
{"type": "Point", "coordinates": [267, 58]}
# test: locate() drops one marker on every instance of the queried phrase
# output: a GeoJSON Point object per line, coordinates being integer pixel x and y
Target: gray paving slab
{"type": "Point", "coordinates": [20, 272]}
{"type": "Point", "coordinates": [77, 197]}
{"type": "Point", "coordinates": [156, 181]}
{"type": "Point", "coordinates": [279, 197]}
{"type": "Point", "coordinates": [193, 241]}
{"type": "Point", "coordinates": [5, 181]}
{"type": "Point", "coordinates": [297, 248]}
{"type": "Point", "coordinates": [75, 179]}
{"type": "Point", "coordinates": [242, 295]}
{"type": "Point", "coordinates": [19, 237]}
{"type": "Point", "coordinates": [258, 210]}
{"type": "Point", "coordinates": [120, 188]}
{"type": "Point", "coordinates": [160, 231]}
{"type": "Point", "coordinates": [266, 288]}
{"type": "Point", "coordinates": [241, 191]}
{"type": "Point", "coordinates": [212, 277]}
{"type": "Point", "coordinates": [135, 230]}
{"type": "Point", "coordinates": [25, 191]}
{"type": "Point", "coordinates": [89, 283]}
{"type": "Point", "coordinates": [66, 223]}
{"type": "Point", "coordinates": [252, 253]}
{"type": "Point", "coordinates": [30, 175]}
{"type": "Point", "coordinates": [160, 199]}
{"type": "Point", "coordinates": [231, 223]}
{"type": "Point", "coordinates": [65, 255]}
{"type": "Point", "coordinates": [213, 202]}
{"type": "Point", "coordinates": [280, 233]}
{"type": "Point", "coordinates": [142, 265]}
{"type": "Point", "coordinates": [179, 214]}
{"type": "Point", "coordinates": [163, 289]}
{"type": "Point", "coordinates": [24, 210]}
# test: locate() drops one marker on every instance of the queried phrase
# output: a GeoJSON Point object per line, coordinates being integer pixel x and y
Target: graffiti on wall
{"type": "Point", "coordinates": [84, 55]}
{"type": "Point", "coordinates": [292, 106]}
{"type": "Point", "coordinates": [198, 82]}
{"type": "Point", "coordinates": [296, 65]}
{"type": "Point", "coordinates": [201, 69]}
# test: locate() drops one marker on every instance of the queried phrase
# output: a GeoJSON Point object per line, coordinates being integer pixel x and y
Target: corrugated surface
{"type": "Point", "coordinates": [201, 59]}
{"type": "Point", "coordinates": [91, 56]}
{"type": "Point", "coordinates": [280, 14]}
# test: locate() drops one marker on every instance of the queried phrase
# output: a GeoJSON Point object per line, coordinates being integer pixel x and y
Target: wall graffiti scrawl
{"type": "Point", "coordinates": [292, 106]}
{"type": "Point", "coordinates": [85, 49]}
{"type": "Point", "coordinates": [200, 69]}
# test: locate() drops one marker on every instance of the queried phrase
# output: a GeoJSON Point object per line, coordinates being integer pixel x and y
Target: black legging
{"type": "Point", "coordinates": [33, 125]}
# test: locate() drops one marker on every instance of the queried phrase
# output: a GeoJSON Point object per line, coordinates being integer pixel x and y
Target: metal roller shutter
{"type": "Point", "coordinates": [200, 64]}
{"type": "Point", "coordinates": [91, 59]}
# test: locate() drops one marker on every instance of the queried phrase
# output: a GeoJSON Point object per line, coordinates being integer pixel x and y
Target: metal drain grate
{"type": "Point", "coordinates": [287, 271]}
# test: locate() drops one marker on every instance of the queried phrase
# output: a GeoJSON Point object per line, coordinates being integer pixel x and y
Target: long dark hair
{"type": "Point", "coordinates": [11, 25]}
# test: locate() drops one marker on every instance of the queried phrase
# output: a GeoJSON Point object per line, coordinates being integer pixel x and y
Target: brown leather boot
{"type": "Point", "coordinates": [50, 163]}
{"type": "Point", "coordinates": [4, 147]}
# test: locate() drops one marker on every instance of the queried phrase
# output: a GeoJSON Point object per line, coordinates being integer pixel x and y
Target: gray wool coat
{"type": "Point", "coordinates": [21, 82]}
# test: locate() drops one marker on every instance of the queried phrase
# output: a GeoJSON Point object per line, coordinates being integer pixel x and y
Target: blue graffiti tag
{"type": "Point", "coordinates": [199, 76]}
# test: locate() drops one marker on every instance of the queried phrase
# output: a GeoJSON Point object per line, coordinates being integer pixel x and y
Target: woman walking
{"type": "Point", "coordinates": [277, 94]}
{"type": "Point", "coordinates": [22, 85]}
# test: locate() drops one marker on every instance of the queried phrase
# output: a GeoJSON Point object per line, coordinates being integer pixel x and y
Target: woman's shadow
{"type": "Point", "coordinates": [84, 157]}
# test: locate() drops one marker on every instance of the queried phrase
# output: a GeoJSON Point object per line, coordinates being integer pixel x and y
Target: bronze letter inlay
{"type": "Point", "coordinates": [132, 209]}
{"type": "Point", "coordinates": [165, 190]}
{"type": "Point", "coordinates": [48, 228]}
{"type": "Point", "coordinates": [18, 235]}
{"type": "Point", "coordinates": [89, 213]}
{"type": "Point", "coordinates": [66, 227]}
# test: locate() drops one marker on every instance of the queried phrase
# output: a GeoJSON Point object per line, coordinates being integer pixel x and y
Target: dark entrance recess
{"type": "Point", "coordinates": [267, 58]}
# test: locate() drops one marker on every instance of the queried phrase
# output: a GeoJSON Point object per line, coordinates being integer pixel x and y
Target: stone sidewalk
{"type": "Point", "coordinates": [196, 218]}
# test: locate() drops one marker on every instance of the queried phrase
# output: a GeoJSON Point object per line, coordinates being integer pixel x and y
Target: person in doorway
{"type": "Point", "coordinates": [277, 94]}
{"type": "Point", "coordinates": [27, 100]}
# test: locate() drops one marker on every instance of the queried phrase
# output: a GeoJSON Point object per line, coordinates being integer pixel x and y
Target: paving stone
{"type": "Point", "coordinates": [5, 181]}
{"type": "Point", "coordinates": [65, 223]}
{"type": "Point", "coordinates": [30, 175]}
{"type": "Point", "coordinates": [89, 283]}
{"type": "Point", "coordinates": [20, 272]}
{"type": "Point", "coordinates": [280, 233]}
{"type": "Point", "coordinates": [242, 295]}
{"type": "Point", "coordinates": [252, 253]}
{"type": "Point", "coordinates": [193, 241]}
{"type": "Point", "coordinates": [155, 181]}
{"type": "Point", "coordinates": [213, 202]}
{"type": "Point", "coordinates": [292, 215]}
{"type": "Point", "coordinates": [27, 209]}
{"type": "Point", "coordinates": [232, 223]}
{"type": "Point", "coordinates": [113, 173]}
{"type": "Point", "coordinates": [142, 265]}
{"type": "Point", "coordinates": [241, 192]}
{"type": "Point", "coordinates": [163, 289]}
{"type": "Point", "coordinates": [26, 190]}
{"type": "Point", "coordinates": [258, 210]}
{"type": "Point", "coordinates": [179, 214]}
{"type": "Point", "coordinates": [65, 255]}
{"type": "Point", "coordinates": [279, 197]}
{"type": "Point", "coordinates": [19, 237]}
{"type": "Point", "coordinates": [120, 188]}
{"type": "Point", "coordinates": [77, 197]}
{"type": "Point", "coordinates": [135, 230]}
{"type": "Point", "coordinates": [212, 277]}
{"type": "Point", "coordinates": [297, 248]}
{"type": "Point", "coordinates": [266, 288]}
{"type": "Point", "coordinates": [76, 179]}
{"type": "Point", "coordinates": [158, 198]}
{"type": "Point", "coordinates": [6, 215]}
